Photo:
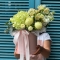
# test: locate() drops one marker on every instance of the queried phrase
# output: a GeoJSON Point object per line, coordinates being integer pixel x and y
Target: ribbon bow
{"type": "Point", "coordinates": [21, 37]}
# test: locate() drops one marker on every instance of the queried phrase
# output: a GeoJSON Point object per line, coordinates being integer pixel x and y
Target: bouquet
{"type": "Point", "coordinates": [24, 22]}
{"type": "Point", "coordinates": [31, 20]}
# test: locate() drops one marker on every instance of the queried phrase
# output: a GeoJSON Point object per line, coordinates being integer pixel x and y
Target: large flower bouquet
{"type": "Point", "coordinates": [31, 20]}
{"type": "Point", "coordinates": [25, 22]}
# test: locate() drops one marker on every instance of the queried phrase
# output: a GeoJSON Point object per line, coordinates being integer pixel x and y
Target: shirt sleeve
{"type": "Point", "coordinates": [46, 36]}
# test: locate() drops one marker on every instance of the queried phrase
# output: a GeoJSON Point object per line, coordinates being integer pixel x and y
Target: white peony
{"type": "Point", "coordinates": [46, 11]}
{"type": "Point", "coordinates": [30, 28]}
{"type": "Point", "coordinates": [29, 21]}
{"type": "Point", "coordinates": [41, 7]}
{"type": "Point", "coordinates": [22, 26]}
{"type": "Point", "coordinates": [38, 25]}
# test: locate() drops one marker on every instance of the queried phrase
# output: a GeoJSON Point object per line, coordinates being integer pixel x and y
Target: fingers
{"type": "Point", "coordinates": [37, 51]}
{"type": "Point", "coordinates": [38, 46]}
{"type": "Point", "coordinates": [32, 56]}
{"type": "Point", "coordinates": [17, 55]}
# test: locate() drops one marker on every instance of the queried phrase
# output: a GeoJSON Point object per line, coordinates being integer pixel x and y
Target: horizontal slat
{"type": "Point", "coordinates": [53, 27]}
{"type": "Point", "coordinates": [14, 4]}
{"type": "Point", "coordinates": [8, 58]}
{"type": "Point", "coordinates": [7, 54]}
{"type": "Point", "coordinates": [14, 7]}
{"type": "Point", "coordinates": [5, 51]}
{"type": "Point", "coordinates": [13, 1]}
{"type": "Point", "coordinates": [48, 5]}
{"type": "Point", "coordinates": [50, 2]}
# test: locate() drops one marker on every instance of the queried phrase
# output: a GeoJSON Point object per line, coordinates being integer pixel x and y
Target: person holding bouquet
{"type": "Point", "coordinates": [31, 40]}
{"type": "Point", "coordinates": [43, 46]}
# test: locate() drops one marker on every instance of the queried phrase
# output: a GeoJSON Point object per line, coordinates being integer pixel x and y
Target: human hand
{"type": "Point", "coordinates": [17, 55]}
{"type": "Point", "coordinates": [38, 51]}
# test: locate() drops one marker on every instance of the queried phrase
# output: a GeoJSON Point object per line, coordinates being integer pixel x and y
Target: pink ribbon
{"type": "Point", "coordinates": [21, 38]}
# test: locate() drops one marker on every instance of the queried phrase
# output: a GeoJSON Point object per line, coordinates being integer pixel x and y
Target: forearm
{"type": "Point", "coordinates": [45, 52]}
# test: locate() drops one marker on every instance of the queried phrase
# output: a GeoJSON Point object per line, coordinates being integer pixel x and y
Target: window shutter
{"type": "Point", "coordinates": [54, 28]}
{"type": "Point", "coordinates": [7, 9]}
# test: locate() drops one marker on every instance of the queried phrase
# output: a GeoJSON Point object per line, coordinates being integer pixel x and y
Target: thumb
{"type": "Point", "coordinates": [38, 46]}
{"type": "Point", "coordinates": [37, 51]}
